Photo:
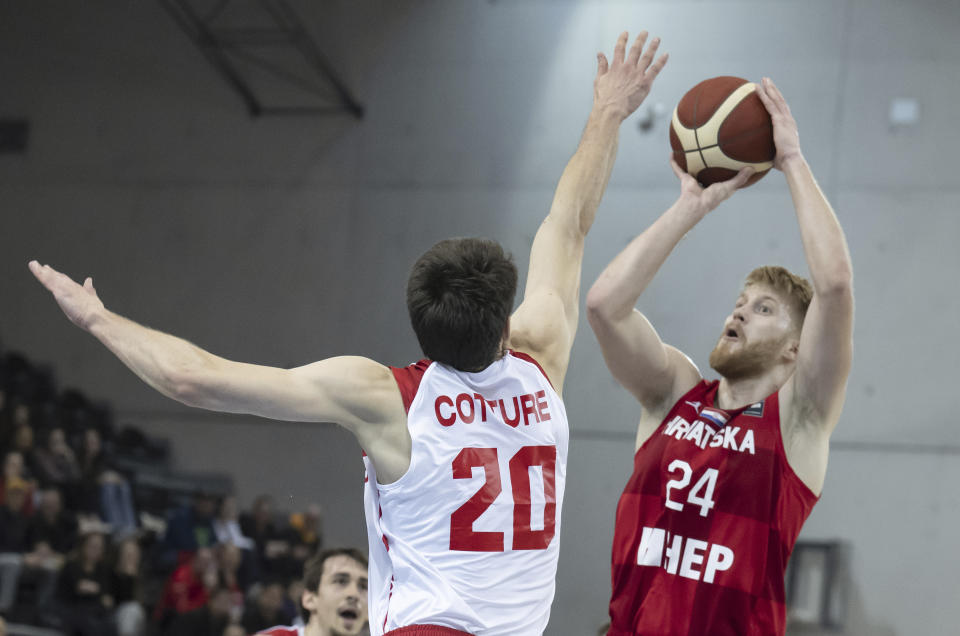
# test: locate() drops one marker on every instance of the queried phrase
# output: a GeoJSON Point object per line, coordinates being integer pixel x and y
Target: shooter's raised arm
{"type": "Point", "coordinates": [655, 373]}
{"type": "Point", "coordinates": [825, 350]}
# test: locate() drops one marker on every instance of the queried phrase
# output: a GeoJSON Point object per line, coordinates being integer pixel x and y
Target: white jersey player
{"type": "Point", "coordinates": [466, 491]}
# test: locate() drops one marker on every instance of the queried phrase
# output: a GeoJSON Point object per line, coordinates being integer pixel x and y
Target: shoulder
{"type": "Point", "coordinates": [541, 330]}
{"type": "Point", "coordinates": [532, 363]}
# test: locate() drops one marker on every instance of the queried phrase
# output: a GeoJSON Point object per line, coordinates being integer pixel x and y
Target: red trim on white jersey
{"type": "Point", "coordinates": [528, 358]}
{"type": "Point", "coordinates": [426, 630]}
{"type": "Point", "coordinates": [408, 380]}
{"type": "Point", "coordinates": [282, 630]}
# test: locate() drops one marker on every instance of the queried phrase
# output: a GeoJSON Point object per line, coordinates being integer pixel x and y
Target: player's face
{"type": "Point", "coordinates": [340, 602]}
{"type": "Point", "coordinates": [755, 336]}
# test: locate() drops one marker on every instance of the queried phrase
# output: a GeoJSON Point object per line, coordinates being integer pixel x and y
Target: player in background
{"type": "Point", "coordinates": [726, 472]}
{"type": "Point", "coordinates": [465, 452]}
{"type": "Point", "coordinates": [334, 599]}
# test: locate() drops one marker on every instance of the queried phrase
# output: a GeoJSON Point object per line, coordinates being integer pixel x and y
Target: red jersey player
{"type": "Point", "coordinates": [463, 533]}
{"type": "Point", "coordinates": [726, 472]}
{"type": "Point", "coordinates": [334, 600]}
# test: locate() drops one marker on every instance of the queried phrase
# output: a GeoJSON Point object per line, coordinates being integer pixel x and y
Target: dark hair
{"type": "Point", "coordinates": [313, 570]}
{"type": "Point", "coordinates": [459, 296]}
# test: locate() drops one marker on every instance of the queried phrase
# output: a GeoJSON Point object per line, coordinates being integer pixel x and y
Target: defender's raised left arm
{"type": "Point", "coordinates": [826, 341]}
{"type": "Point", "coordinates": [545, 322]}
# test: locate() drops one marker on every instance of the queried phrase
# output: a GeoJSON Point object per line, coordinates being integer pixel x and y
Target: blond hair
{"type": "Point", "coordinates": [797, 290]}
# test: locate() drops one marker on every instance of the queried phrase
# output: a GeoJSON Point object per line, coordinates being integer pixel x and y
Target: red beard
{"type": "Point", "coordinates": [736, 361]}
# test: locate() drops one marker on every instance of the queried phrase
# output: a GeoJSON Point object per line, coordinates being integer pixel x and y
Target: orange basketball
{"type": "Point", "coordinates": [719, 127]}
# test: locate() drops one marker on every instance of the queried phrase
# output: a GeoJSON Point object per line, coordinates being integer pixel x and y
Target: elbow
{"type": "Point", "coordinates": [597, 306]}
{"type": "Point", "coordinates": [186, 386]}
{"type": "Point", "coordinates": [603, 312]}
{"type": "Point", "coordinates": [184, 391]}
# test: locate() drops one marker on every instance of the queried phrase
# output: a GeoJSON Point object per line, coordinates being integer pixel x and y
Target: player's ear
{"type": "Point", "coordinates": [309, 600]}
{"type": "Point", "coordinates": [792, 348]}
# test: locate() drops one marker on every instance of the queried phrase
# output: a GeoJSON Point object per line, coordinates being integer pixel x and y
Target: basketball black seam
{"type": "Point", "coordinates": [696, 137]}
{"type": "Point", "coordinates": [726, 141]}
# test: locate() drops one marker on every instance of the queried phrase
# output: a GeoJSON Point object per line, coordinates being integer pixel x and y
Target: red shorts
{"type": "Point", "coordinates": [426, 630]}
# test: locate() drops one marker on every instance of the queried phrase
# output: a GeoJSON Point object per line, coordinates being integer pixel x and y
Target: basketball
{"type": "Point", "coordinates": [719, 127]}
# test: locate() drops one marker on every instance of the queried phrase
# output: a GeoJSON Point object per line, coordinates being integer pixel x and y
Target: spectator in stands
{"type": "Point", "coordinates": [53, 527]}
{"type": "Point", "coordinates": [307, 534]}
{"type": "Point", "coordinates": [227, 526]}
{"type": "Point", "coordinates": [13, 541]}
{"type": "Point", "coordinates": [188, 587]}
{"type": "Point", "coordinates": [51, 535]}
{"type": "Point", "coordinates": [189, 529]}
{"type": "Point", "coordinates": [334, 600]}
{"type": "Point", "coordinates": [231, 630]}
{"type": "Point", "coordinates": [272, 543]}
{"type": "Point", "coordinates": [229, 564]}
{"type": "Point", "coordinates": [14, 472]}
{"type": "Point", "coordinates": [130, 615]}
{"type": "Point", "coordinates": [291, 600]}
{"type": "Point", "coordinates": [56, 464]}
{"type": "Point", "coordinates": [209, 619]}
{"type": "Point", "coordinates": [267, 609]}
{"type": "Point", "coordinates": [20, 419]}
{"type": "Point", "coordinates": [105, 491]}
{"type": "Point", "coordinates": [83, 590]}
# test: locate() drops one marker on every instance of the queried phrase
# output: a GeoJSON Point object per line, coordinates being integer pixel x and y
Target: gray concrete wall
{"type": "Point", "coordinates": [281, 241]}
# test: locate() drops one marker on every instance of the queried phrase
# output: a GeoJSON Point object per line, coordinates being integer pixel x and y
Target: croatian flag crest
{"type": "Point", "coordinates": [717, 417]}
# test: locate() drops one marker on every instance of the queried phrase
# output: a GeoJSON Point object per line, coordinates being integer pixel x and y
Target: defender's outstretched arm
{"type": "Point", "coordinates": [655, 373]}
{"type": "Point", "coordinates": [825, 352]}
{"type": "Point", "coordinates": [349, 391]}
{"type": "Point", "coordinates": [545, 322]}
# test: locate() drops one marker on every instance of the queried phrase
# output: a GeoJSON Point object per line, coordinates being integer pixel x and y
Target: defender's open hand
{"type": "Point", "coordinates": [79, 303]}
{"type": "Point", "coordinates": [623, 84]}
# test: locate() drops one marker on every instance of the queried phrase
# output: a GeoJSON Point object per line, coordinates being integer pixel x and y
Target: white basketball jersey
{"type": "Point", "coordinates": [468, 538]}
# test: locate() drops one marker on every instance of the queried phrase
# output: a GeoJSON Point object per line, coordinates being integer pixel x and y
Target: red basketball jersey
{"type": "Point", "coordinates": [706, 524]}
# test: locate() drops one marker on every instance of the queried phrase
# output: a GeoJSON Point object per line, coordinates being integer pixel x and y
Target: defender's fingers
{"type": "Point", "coordinates": [602, 64]}
{"type": "Point", "coordinates": [620, 48]}
{"type": "Point", "coordinates": [649, 54]}
{"type": "Point", "coordinates": [42, 272]}
{"type": "Point", "coordinates": [657, 66]}
{"type": "Point", "coordinates": [637, 48]}
{"type": "Point", "coordinates": [88, 285]}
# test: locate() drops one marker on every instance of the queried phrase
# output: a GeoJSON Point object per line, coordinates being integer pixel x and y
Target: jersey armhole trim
{"type": "Point", "coordinates": [408, 380]}
{"type": "Point", "coordinates": [528, 358]}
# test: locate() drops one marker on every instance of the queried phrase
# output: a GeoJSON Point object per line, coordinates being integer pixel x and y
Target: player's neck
{"type": "Point", "coordinates": [732, 394]}
{"type": "Point", "coordinates": [313, 628]}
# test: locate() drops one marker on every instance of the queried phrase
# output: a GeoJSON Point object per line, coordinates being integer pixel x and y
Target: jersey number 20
{"type": "Point", "coordinates": [464, 537]}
